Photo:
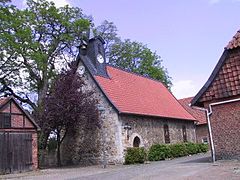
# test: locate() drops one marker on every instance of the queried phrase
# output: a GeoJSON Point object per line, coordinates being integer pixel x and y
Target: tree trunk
{"type": "Point", "coordinates": [59, 163]}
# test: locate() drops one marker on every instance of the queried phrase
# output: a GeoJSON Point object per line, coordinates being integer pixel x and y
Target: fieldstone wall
{"type": "Point", "coordinates": [87, 147]}
{"type": "Point", "coordinates": [150, 130]}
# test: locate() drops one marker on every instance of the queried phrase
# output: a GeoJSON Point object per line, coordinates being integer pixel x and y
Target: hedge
{"type": "Point", "coordinates": [162, 151]}
{"type": "Point", "coordinates": [135, 155]}
{"type": "Point", "coordinates": [178, 150]}
{"type": "Point", "coordinates": [158, 152]}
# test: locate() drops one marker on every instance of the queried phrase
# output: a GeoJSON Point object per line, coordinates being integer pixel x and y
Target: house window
{"type": "Point", "coordinates": [166, 134]}
{"type": "Point", "coordinates": [136, 142]}
{"type": "Point", "coordinates": [205, 140]}
{"type": "Point", "coordinates": [5, 120]}
{"type": "Point", "coordinates": [184, 131]}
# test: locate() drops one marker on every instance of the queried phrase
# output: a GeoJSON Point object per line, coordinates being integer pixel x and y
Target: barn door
{"type": "Point", "coordinates": [15, 152]}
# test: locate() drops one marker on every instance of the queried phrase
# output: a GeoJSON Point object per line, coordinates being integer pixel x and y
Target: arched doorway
{"type": "Point", "coordinates": [136, 142]}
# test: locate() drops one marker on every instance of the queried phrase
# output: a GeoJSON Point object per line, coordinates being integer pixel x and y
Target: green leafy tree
{"type": "Point", "coordinates": [35, 43]}
{"type": "Point", "coordinates": [132, 55]}
{"type": "Point", "coordinates": [108, 31]}
{"type": "Point", "coordinates": [136, 57]}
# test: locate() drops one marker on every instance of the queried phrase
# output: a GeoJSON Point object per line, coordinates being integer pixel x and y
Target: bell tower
{"type": "Point", "coordinates": [95, 53]}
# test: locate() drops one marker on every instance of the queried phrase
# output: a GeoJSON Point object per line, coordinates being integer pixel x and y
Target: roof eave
{"type": "Point", "coordinates": [98, 85]}
{"type": "Point", "coordinates": [156, 116]}
{"type": "Point", "coordinates": [195, 100]}
{"type": "Point", "coordinates": [23, 110]}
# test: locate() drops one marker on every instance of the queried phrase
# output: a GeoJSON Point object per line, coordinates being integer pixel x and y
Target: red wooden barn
{"type": "Point", "coordinates": [18, 138]}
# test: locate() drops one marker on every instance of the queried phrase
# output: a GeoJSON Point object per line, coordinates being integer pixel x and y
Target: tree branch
{"type": "Point", "coordinates": [11, 92]}
{"type": "Point", "coordinates": [31, 72]}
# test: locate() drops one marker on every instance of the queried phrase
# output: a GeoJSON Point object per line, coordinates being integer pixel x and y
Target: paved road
{"type": "Point", "coordinates": [192, 167]}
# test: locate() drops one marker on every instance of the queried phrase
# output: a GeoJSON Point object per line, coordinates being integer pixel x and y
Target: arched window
{"type": "Point", "coordinates": [184, 131]}
{"type": "Point", "coordinates": [166, 134]}
{"type": "Point", "coordinates": [136, 142]}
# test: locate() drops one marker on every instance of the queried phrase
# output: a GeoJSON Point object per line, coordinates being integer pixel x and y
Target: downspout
{"type": "Point", "coordinates": [209, 112]}
{"type": "Point", "coordinates": [209, 130]}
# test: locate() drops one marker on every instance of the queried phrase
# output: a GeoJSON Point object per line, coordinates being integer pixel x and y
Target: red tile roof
{"type": "Point", "coordinates": [235, 42]}
{"type": "Point", "coordinates": [135, 94]}
{"type": "Point", "coordinates": [199, 115]}
{"type": "Point", "coordinates": [224, 82]}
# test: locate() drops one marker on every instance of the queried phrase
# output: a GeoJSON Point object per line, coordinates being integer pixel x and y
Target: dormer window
{"type": "Point", "coordinates": [5, 120]}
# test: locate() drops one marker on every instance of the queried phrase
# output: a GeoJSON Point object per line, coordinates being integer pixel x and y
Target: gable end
{"type": "Point", "coordinates": [224, 81]}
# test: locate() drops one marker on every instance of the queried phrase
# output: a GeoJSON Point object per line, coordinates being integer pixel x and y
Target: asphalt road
{"type": "Point", "coordinates": [191, 167]}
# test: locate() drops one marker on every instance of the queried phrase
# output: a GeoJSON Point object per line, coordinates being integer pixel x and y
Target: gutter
{"type": "Point", "coordinates": [209, 130]}
{"type": "Point", "coordinates": [209, 113]}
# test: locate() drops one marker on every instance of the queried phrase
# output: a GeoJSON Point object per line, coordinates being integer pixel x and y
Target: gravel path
{"type": "Point", "coordinates": [192, 167]}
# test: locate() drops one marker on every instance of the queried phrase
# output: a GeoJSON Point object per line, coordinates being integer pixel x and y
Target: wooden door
{"type": "Point", "coordinates": [15, 152]}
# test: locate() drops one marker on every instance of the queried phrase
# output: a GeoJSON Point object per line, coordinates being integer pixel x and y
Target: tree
{"type": "Point", "coordinates": [108, 31]}
{"type": "Point", "coordinates": [136, 57]}
{"type": "Point", "coordinates": [69, 106]}
{"type": "Point", "coordinates": [132, 56]}
{"type": "Point", "coordinates": [35, 43]}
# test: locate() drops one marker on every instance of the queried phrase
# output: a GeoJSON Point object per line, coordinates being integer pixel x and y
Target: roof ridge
{"type": "Point", "coordinates": [137, 74]}
{"type": "Point", "coordinates": [234, 42]}
{"type": "Point", "coordinates": [186, 98]}
{"type": "Point", "coordinates": [133, 108]}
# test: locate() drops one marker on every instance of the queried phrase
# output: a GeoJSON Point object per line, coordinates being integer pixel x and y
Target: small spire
{"type": "Point", "coordinates": [91, 35]}
{"type": "Point", "coordinates": [83, 47]}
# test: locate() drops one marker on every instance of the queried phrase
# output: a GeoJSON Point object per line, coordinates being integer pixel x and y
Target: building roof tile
{"type": "Point", "coordinates": [235, 42]}
{"type": "Point", "coordinates": [199, 115]}
{"type": "Point", "coordinates": [224, 82]}
{"type": "Point", "coordinates": [134, 94]}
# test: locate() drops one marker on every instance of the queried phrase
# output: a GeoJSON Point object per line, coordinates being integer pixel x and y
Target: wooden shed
{"type": "Point", "coordinates": [18, 138]}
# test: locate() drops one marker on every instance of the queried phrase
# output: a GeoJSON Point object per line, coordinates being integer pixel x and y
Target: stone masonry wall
{"type": "Point", "coordinates": [94, 141]}
{"type": "Point", "coordinates": [150, 130]}
{"type": "Point", "coordinates": [225, 122]}
{"type": "Point", "coordinates": [86, 147]}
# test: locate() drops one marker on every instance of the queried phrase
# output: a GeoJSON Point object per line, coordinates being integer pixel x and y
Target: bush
{"type": "Point", "coordinates": [192, 148]}
{"type": "Point", "coordinates": [202, 148]}
{"type": "Point", "coordinates": [159, 152]}
{"type": "Point", "coordinates": [135, 155]}
{"type": "Point", "coordinates": [178, 150]}
{"type": "Point", "coordinates": [162, 151]}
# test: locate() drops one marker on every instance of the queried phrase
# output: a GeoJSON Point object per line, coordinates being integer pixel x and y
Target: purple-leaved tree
{"type": "Point", "coordinates": [68, 106]}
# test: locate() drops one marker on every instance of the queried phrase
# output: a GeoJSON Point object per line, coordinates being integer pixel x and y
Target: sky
{"type": "Point", "coordinates": [189, 35]}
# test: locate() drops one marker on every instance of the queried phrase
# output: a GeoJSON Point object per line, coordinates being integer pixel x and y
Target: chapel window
{"type": "Point", "coordinates": [184, 131]}
{"type": "Point", "coordinates": [136, 142]}
{"type": "Point", "coordinates": [166, 134]}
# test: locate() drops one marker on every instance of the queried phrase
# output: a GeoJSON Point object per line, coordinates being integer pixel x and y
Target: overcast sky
{"type": "Point", "coordinates": [189, 35]}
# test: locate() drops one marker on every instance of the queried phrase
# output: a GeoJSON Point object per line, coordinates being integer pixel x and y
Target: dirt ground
{"type": "Point", "coordinates": [187, 168]}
